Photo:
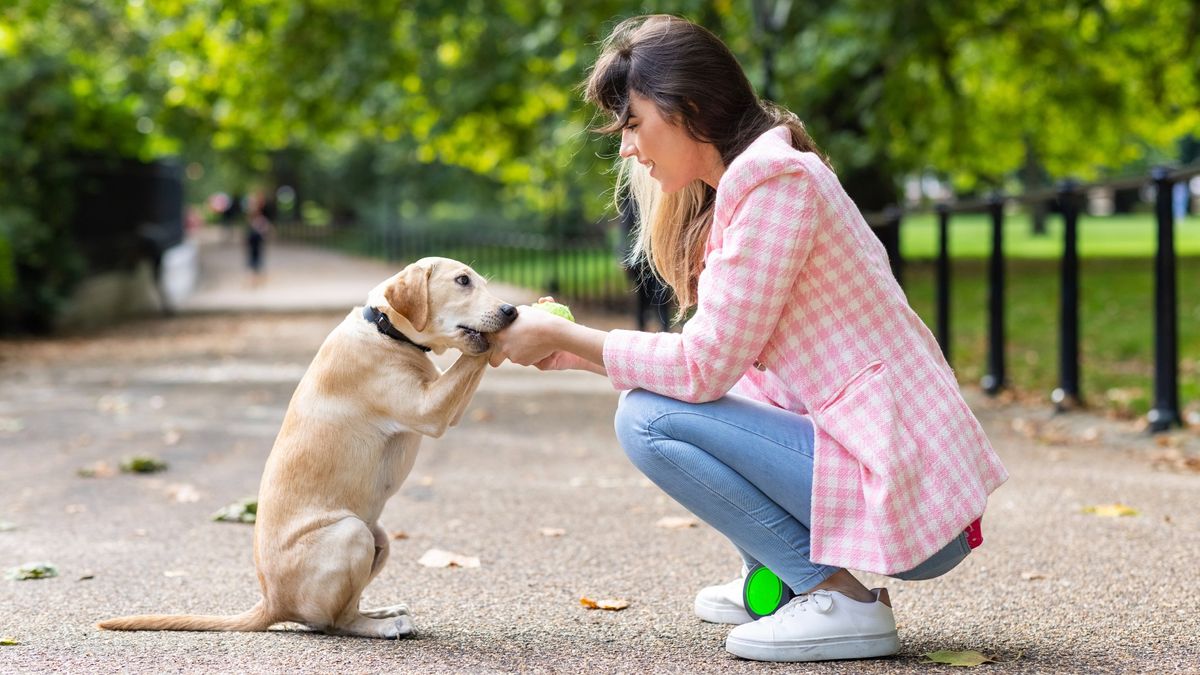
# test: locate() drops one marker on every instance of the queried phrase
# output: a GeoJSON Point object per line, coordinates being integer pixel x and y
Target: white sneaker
{"type": "Point", "coordinates": [724, 603]}
{"type": "Point", "coordinates": [819, 626]}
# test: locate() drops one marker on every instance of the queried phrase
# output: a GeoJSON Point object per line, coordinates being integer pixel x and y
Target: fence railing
{"type": "Point", "coordinates": [1065, 199]}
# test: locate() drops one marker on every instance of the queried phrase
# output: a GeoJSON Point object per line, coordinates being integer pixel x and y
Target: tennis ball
{"type": "Point", "coordinates": [555, 308]}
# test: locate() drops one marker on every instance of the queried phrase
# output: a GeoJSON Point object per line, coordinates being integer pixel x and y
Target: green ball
{"type": "Point", "coordinates": [555, 308]}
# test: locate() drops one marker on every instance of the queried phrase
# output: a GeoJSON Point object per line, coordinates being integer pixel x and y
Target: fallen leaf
{"type": "Point", "coordinates": [100, 469]}
{"type": "Point", "coordinates": [174, 574]}
{"type": "Point", "coordinates": [6, 526]}
{"type": "Point", "coordinates": [553, 532]}
{"type": "Point", "coordinates": [399, 534]}
{"type": "Point", "coordinates": [1033, 576]}
{"type": "Point", "coordinates": [86, 576]}
{"type": "Point", "coordinates": [426, 481]}
{"type": "Point", "coordinates": [11, 425]}
{"type": "Point", "coordinates": [436, 557]}
{"type": "Point", "coordinates": [8, 641]}
{"type": "Point", "coordinates": [183, 493]}
{"type": "Point", "coordinates": [143, 464]}
{"type": "Point", "coordinates": [33, 571]}
{"type": "Point", "coordinates": [1111, 510]}
{"type": "Point", "coordinates": [76, 508]}
{"type": "Point", "coordinates": [967, 658]}
{"type": "Point", "coordinates": [241, 511]}
{"type": "Point", "coordinates": [677, 523]}
{"type": "Point", "coordinates": [482, 415]}
{"type": "Point", "coordinates": [611, 604]}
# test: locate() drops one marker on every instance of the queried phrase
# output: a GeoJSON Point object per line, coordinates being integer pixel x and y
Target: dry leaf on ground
{"type": "Point", "coordinates": [611, 604]}
{"type": "Point", "coordinates": [6, 526]}
{"type": "Point", "coordinates": [553, 531]}
{"type": "Point", "coordinates": [436, 557]}
{"type": "Point", "coordinates": [1034, 576]}
{"type": "Point", "coordinates": [397, 535]}
{"type": "Point", "coordinates": [1111, 510]}
{"type": "Point", "coordinates": [967, 658]}
{"type": "Point", "coordinates": [8, 641]}
{"type": "Point", "coordinates": [1176, 459]}
{"type": "Point", "coordinates": [677, 522]}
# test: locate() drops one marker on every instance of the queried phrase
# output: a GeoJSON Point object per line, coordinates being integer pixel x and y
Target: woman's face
{"type": "Point", "coordinates": [674, 158]}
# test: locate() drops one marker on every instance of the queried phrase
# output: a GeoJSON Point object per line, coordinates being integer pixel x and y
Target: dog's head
{"type": "Point", "coordinates": [440, 303]}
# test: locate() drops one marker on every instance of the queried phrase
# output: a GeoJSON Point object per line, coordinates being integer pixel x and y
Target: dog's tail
{"type": "Point", "coordinates": [254, 619]}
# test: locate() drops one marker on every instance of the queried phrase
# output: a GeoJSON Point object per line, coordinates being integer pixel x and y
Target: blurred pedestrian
{"type": "Point", "coordinates": [258, 228]}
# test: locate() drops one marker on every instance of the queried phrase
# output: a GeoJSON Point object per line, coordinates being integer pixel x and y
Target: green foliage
{"type": "Point", "coordinates": [393, 109]}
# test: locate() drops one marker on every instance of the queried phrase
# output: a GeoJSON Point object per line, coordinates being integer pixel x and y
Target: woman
{"type": "Point", "coordinates": [804, 411]}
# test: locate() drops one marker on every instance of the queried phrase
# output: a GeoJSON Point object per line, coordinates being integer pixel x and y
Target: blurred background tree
{"type": "Point", "coordinates": [466, 114]}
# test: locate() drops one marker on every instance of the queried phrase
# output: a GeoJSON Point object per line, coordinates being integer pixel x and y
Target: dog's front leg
{"type": "Point", "coordinates": [446, 398]}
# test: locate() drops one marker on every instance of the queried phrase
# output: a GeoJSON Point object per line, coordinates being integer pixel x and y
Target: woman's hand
{"type": "Point", "coordinates": [563, 360]}
{"type": "Point", "coordinates": [533, 338]}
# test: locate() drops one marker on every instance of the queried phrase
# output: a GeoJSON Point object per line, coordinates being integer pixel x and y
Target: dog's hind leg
{"type": "Point", "coordinates": [382, 548]}
{"type": "Point", "coordinates": [339, 566]}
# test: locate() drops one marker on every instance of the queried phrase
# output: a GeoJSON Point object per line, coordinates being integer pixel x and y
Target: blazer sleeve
{"type": "Point", "coordinates": [748, 279]}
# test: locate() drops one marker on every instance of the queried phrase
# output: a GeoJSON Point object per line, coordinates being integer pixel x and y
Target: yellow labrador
{"type": "Point", "coordinates": [348, 441]}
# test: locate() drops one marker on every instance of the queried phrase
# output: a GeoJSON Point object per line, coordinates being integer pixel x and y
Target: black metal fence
{"type": "Point", "coordinates": [1063, 199]}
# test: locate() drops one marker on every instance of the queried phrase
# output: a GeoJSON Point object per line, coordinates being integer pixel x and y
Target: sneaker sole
{"type": "Point", "coordinates": [722, 613]}
{"type": "Point", "coordinates": [827, 649]}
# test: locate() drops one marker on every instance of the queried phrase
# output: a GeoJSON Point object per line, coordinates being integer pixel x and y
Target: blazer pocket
{"type": "Point", "coordinates": [863, 418]}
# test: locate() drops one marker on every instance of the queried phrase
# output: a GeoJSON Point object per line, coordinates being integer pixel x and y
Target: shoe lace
{"type": "Point", "coordinates": [817, 601]}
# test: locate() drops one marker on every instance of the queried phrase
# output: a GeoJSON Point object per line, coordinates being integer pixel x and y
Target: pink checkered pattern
{"type": "Point", "coordinates": [795, 281]}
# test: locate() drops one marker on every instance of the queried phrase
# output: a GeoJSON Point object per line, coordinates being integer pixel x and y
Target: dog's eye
{"type": "Point", "coordinates": [463, 280]}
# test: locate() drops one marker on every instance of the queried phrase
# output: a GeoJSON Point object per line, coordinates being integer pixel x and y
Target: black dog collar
{"type": "Point", "coordinates": [384, 325]}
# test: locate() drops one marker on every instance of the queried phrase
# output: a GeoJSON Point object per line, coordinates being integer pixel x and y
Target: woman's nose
{"type": "Point", "coordinates": [628, 149]}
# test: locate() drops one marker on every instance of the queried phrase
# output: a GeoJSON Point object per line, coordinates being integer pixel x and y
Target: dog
{"type": "Point", "coordinates": [349, 439]}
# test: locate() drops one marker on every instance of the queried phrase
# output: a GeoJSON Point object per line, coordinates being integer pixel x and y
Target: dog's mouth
{"type": "Point", "coordinates": [476, 338]}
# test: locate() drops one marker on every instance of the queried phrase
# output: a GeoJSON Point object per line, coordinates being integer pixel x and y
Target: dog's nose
{"type": "Point", "coordinates": [509, 311]}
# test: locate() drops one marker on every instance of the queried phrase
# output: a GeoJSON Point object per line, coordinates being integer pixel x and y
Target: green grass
{"type": "Point", "coordinates": [1124, 236]}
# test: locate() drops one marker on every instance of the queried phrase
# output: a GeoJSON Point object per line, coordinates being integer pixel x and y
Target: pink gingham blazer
{"type": "Point", "coordinates": [797, 307]}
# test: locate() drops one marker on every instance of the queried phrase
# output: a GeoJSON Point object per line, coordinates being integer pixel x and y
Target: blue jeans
{"type": "Point", "coordinates": [745, 468]}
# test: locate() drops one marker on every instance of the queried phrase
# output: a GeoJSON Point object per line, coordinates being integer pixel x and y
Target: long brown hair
{"type": "Point", "coordinates": [694, 80]}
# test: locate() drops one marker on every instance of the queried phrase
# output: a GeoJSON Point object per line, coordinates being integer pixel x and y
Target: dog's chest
{"type": "Point", "coordinates": [397, 461]}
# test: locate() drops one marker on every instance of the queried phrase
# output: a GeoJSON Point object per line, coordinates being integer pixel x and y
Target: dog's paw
{"type": "Point", "coordinates": [404, 627]}
{"type": "Point", "coordinates": [385, 612]}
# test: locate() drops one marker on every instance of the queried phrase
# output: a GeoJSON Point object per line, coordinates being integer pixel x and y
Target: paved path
{"type": "Point", "coordinates": [1053, 589]}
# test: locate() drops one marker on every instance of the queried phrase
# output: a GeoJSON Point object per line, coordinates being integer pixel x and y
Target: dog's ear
{"type": "Point", "coordinates": [409, 295]}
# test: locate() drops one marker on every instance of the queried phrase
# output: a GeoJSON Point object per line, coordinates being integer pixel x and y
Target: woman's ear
{"type": "Point", "coordinates": [409, 295]}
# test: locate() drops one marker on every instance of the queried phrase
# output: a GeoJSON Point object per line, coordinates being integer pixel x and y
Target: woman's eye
{"type": "Point", "coordinates": [463, 280]}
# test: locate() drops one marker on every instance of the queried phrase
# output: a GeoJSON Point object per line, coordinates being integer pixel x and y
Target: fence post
{"type": "Point", "coordinates": [1165, 413]}
{"type": "Point", "coordinates": [942, 282]}
{"type": "Point", "coordinates": [1067, 395]}
{"type": "Point", "coordinates": [994, 380]}
{"type": "Point", "coordinates": [891, 242]}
